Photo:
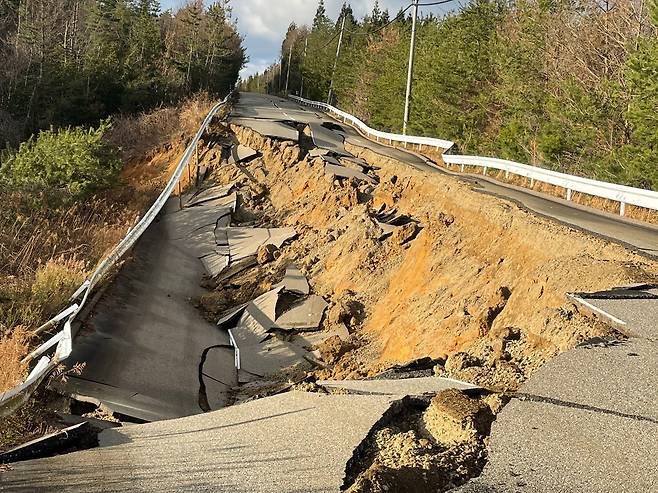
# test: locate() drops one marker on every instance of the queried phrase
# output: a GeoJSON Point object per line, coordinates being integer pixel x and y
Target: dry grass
{"type": "Point", "coordinates": [46, 253]}
{"type": "Point", "coordinates": [12, 350]}
{"type": "Point", "coordinates": [55, 281]}
{"type": "Point", "coordinates": [27, 423]}
{"type": "Point", "coordinates": [139, 136]}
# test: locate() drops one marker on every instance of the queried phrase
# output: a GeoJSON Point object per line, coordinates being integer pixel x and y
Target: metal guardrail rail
{"type": "Point", "coordinates": [63, 340]}
{"type": "Point", "coordinates": [571, 183]}
{"type": "Point", "coordinates": [620, 193]}
{"type": "Point", "coordinates": [371, 132]}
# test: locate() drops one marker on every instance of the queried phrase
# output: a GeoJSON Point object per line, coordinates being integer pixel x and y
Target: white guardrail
{"type": "Point", "coordinates": [13, 398]}
{"type": "Point", "coordinates": [371, 132]}
{"type": "Point", "coordinates": [619, 193]}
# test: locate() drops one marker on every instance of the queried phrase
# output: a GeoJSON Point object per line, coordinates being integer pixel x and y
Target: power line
{"type": "Point", "coordinates": [435, 3]}
{"type": "Point", "coordinates": [397, 17]}
{"type": "Point", "coordinates": [331, 40]}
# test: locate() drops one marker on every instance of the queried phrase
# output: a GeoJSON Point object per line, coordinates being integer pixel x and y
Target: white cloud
{"type": "Point", "coordinates": [270, 19]}
{"type": "Point", "coordinates": [255, 66]}
{"type": "Point", "coordinates": [264, 23]}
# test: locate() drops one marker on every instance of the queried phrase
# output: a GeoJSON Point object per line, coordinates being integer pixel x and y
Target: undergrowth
{"type": "Point", "coordinates": [54, 232]}
{"type": "Point", "coordinates": [66, 164]}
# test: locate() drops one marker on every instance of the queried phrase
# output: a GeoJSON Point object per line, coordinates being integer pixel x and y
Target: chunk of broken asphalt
{"type": "Point", "coordinates": [305, 314]}
{"type": "Point", "coordinates": [241, 153]}
{"type": "Point", "coordinates": [294, 281]}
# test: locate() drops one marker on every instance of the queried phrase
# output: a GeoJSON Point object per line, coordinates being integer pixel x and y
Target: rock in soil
{"type": "Point", "coordinates": [266, 253]}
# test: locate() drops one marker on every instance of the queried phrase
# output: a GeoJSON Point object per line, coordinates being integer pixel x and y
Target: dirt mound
{"type": "Point", "coordinates": [479, 284]}
{"type": "Point", "coordinates": [423, 446]}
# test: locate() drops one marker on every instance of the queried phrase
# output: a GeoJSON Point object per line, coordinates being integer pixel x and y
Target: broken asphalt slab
{"type": "Point", "coordinates": [635, 312]}
{"type": "Point", "coordinates": [81, 435]}
{"type": "Point", "coordinates": [325, 138]}
{"type": "Point", "coordinates": [240, 153]}
{"type": "Point", "coordinates": [260, 353]}
{"type": "Point", "coordinates": [294, 281]}
{"type": "Point", "coordinates": [186, 222]}
{"type": "Point", "coordinates": [290, 443]}
{"type": "Point", "coordinates": [269, 128]}
{"type": "Point", "coordinates": [303, 314]}
{"type": "Point", "coordinates": [211, 193]}
{"type": "Point", "coordinates": [143, 344]}
{"type": "Point", "coordinates": [586, 422]}
{"type": "Point", "coordinates": [244, 242]}
{"type": "Point", "coordinates": [343, 172]}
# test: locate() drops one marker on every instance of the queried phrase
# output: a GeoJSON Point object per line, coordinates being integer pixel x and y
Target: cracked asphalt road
{"type": "Point", "coordinates": [144, 344]}
{"type": "Point", "coordinates": [588, 420]}
{"type": "Point", "coordinates": [633, 234]}
{"type": "Point", "coordinates": [298, 442]}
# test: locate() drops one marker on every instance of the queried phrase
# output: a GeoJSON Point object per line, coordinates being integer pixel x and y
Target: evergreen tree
{"type": "Point", "coordinates": [77, 61]}
{"type": "Point", "coordinates": [320, 20]}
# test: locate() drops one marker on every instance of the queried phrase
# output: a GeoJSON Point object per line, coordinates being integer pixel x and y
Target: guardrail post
{"type": "Point", "coordinates": [506, 174]}
{"type": "Point", "coordinates": [532, 182]}
{"type": "Point", "coordinates": [484, 170]}
{"type": "Point", "coordinates": [622, 208]}
{"type": "Point", "coordinates": [463, 168]}
{"type": "Point", "coordinates": [180, 195]}
{"type": "Point", "coordinates": [568, 194]}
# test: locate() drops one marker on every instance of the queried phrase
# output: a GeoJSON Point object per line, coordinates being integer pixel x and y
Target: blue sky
{"type": "Point", "coordinates": [263, 23]}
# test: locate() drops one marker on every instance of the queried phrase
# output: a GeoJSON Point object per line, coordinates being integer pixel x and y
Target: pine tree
{"type": "Point", "coordinates": [320, 20]}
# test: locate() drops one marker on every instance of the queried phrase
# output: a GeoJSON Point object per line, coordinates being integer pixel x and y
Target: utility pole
{"type": "Point", "coordinates": [333, 72]}
{"type": "Point", "coordinates": [410, 70]}
{"type": "Point", "coordinates": [301, 89]}
{"type": "Point", "coordinates": [289, 60]}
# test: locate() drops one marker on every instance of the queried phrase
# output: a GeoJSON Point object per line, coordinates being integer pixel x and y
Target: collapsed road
{"type": "Point", "coordinates": [311, 240]}
{"type": "Point", "coordinates": [269, 113]}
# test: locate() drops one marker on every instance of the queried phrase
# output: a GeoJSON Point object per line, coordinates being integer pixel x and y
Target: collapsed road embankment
{"type": "Point", "coordinates": [472, 281]}
{"type": "Point", "coordinates": [375, 317]}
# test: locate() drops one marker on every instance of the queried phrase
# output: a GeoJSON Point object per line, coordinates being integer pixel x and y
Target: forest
{"type": "Point", "coordinates": [75, 62]}
{"type": "Point", "coordinates": [571, 85]}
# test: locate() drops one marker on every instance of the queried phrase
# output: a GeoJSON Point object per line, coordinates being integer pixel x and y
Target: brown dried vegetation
{"type": "Point", "coordinates": [46, 253]}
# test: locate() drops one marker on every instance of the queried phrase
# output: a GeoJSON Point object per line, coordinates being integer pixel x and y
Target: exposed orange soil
{"type": "Point", "coordinates": [483, 276]}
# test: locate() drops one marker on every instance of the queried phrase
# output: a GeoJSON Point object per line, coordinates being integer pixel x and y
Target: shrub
{"type": "Point", "coordinates": [76, 161]}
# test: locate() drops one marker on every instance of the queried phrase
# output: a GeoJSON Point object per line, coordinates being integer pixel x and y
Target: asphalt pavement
{"type": "Point", "coordinates": [586, 422]}
{"type": "Point", "coordinates": [296, 442]}
{"type": "Point", "coordinates": [632, 234]}
{"type": "Point", "coordinates": [148, 352]}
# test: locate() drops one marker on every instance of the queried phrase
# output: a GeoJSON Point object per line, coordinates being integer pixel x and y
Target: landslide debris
{"type": "Point", "coordinates": [423, 445]}
{"type": "Point", "coordinates": [423, 276]}
{"type": "Point", "coordinates": [419, 265]}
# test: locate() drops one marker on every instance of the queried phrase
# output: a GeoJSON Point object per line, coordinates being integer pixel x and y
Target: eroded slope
{"type": "Point", "coordinates": [471, 280]}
